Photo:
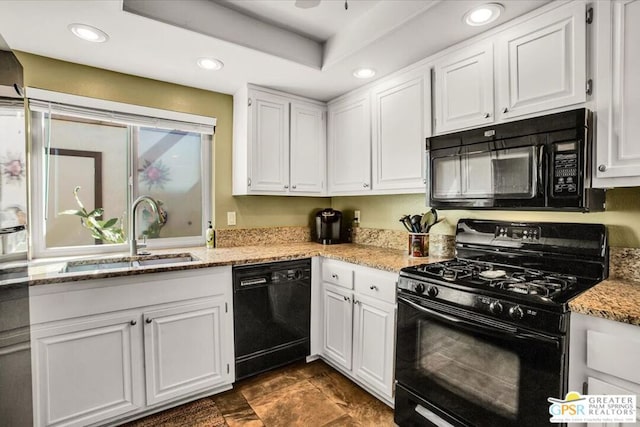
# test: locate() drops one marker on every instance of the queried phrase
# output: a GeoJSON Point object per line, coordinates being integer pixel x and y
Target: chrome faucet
{"type": "Point", "coordinates": [133, 242]}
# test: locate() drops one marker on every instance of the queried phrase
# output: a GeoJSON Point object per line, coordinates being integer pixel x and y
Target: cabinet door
{"type": "Point", "coordinates": [597, 386]}
{"type": "Point", "coordinates": [308, 148]}
{"type": "Point", "coordinates": [374, 337]}
{"type": "Point", "coordinates": [183, 349]}
{"type": "Point", "coordinates": [338, 325]}
{"type": "Point", "coordinates": [542, 63]}
{"type": "Point", "coordinates": [618, 92]}
{"type": "Point", "coordinates": [400, 122]}
{"type": "Point", "coordinates": [464, 89]}
{"type": "Point", "coordinates": [87, 370]}
{"type": "Point", "coordinates": [269, 142]}
{"type": "Point", "coordinates": [350, 145]}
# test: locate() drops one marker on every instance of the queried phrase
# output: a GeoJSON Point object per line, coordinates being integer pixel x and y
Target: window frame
{"type": "Point", "coordinates": [38, 180]}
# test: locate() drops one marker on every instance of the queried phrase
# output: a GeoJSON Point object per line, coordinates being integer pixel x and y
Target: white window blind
{"type": "Point", "coordinates": [117, 112]}
{"type": "Point", "coordinates": [111, 116]}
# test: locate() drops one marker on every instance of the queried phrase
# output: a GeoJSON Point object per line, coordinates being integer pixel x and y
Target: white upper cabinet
{"type": "Point", "coordinates": [617, 93]}
{"type": "Point", "coordinates": [279, 144]}
{"type": "Point", "coordinates": [349, 145]}
{"type": "Point", "coordinates": [401, 121]}
{"type": "Point", "coordinates": [539, 66]}
{"type": "Point", "coordinates": [464, 88]}
{"type": "Point", "coordinates": [308, 148]}
{"type": "Point", "coordinates": [541, 63]}
{"type": "Point", "coordinates": [269, 139]}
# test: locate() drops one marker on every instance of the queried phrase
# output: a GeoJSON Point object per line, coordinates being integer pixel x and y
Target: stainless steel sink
{"type": "Point", "coordinates": [168, 260]}
{"type": "Point", "coordinates": [114, 263]}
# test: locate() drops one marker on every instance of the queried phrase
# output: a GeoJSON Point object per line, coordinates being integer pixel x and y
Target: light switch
{"type": "Point", "coordinates": [231, 218]}
{"type": "Point", "coordinates": [356, 216]}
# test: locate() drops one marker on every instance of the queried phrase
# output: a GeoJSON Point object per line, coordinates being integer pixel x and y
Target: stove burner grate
{"type": "Point", "coordinates": [525, 282]}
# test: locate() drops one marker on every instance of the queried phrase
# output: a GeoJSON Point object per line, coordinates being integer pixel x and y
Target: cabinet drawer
{"type": "Point", "coordinates": [337, 273]}
{"type": "Point", "coordinates": [614, 355]}
{"type": "Point", "coordinates": [376, 284]}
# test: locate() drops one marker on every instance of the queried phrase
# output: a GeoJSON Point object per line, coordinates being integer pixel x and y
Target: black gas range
{"type": "Point", "coordinates": [482, 339]}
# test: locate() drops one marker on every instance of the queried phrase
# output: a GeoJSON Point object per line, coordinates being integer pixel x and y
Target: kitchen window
{"type": "Point", "coordinates": [100, 160]}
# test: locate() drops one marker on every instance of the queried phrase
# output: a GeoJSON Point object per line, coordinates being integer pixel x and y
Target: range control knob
{"type": "Point", "coordinates": [298, 274]}
{"type": "Point", "coordinates": [419, 288]}
{"type": "Point", "coordinates": [516, 312]}
{"type": "Point", "coordinates": [495, 307]}
{"type": "Point", "coordinates": [432, 291]}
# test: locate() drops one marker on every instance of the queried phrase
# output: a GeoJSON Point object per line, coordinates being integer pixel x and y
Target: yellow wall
{"type": "Point", "coordinates": [251, 211]}
{"type": "Point", "coordinates": [622, 215]}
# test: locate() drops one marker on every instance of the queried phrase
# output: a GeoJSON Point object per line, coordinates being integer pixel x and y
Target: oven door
{"type": "Point", "coordinates": [471, 370]}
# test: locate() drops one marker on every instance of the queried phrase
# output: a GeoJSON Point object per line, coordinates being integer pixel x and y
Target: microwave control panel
{"type": "Point", "coordinates": [565, 169]}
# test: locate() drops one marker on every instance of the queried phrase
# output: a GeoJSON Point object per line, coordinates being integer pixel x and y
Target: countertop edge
{"type": "Point", "coordinates": [612, 299]}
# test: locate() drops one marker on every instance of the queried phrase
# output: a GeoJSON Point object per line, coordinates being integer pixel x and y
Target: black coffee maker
{"type": "Point", "coordinates": [328, 226]}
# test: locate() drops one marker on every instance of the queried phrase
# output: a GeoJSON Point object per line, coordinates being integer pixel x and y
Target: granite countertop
{"type": "Point", "coordinates": [48, 272]}
{"type": "Point", "coordinates": [613, 299]}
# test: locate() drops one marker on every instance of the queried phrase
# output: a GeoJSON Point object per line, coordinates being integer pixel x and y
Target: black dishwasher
{"type": "Point", "coordinates": [271, 315]}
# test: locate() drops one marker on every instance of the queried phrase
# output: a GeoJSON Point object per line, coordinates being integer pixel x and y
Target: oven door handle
{"type": "Point", "coordinates": [494, 330]}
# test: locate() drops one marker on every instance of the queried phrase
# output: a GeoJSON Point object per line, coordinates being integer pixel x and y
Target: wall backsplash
{"type": "Point", "coordinates": [622, 216]}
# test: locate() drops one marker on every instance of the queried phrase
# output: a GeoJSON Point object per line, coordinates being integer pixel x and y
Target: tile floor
{"type": "Point", "coordinates": [312, 394]}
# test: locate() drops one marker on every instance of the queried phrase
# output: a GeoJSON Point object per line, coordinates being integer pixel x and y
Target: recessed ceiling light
{"type": "Point", "coordinates": [483, 15]}
{"type": "Point", "coordinates": [88, 33]}
{"type": "Point", "coordinates": [210, 64]}
{"type": "Point", "coordinates": [364, 73]}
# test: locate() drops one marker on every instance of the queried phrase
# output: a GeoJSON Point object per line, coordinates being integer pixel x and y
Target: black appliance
{"type": "Point", "coordinates": [15, 346]}
{"type": "Point", "coordinates": [328, 226]}
{"type": "Point", "coordinates": [482, 339]}
{"type": "Point", "coordinates": [538, 163]}
{"type": "Point", "coordinates": [271, 315]}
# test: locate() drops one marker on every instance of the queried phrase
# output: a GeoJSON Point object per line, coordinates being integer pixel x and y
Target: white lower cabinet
{"type": "Point", "coordinates": [603, 359]}
{"type": "Point", "coordinates": [87, 370]}
{"type": "Point", "coordinates": [374, 337]}
{"type": "Point", "coordinates": [359, 325]}
{"type": "Point", "coordinates": [95, 359]}
{"type": "Point", "coordinates": [338, 325]}
{"type": "Point", "coordinates": [183, 349]}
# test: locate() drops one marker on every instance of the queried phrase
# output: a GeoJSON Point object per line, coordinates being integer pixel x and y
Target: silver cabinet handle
{"type": "Point", "coordinates": [365, 185]}
{"type": "Point", "coordinates": [505, 110]}
{"type": "Point", "coordinates": [356, 302]}
{"type": "Point", "coordinates": [286, 186]}
{"type": "Point", "coordinates": [602, 168]}
{"type": "Point", "coordinates": [294, 187]}
{"type": "Point", "coordinates": [487, 115]}
{"type": "Point", "coordinates": [373, 287]}
{"type": "Point", "coordinates": [133, 322]}
{"type": "Point", "coordinates": [347, 299]}
{"type": "Point", "coordinates": [424, 181]}
{"type": "Point", "coordinates": [334, 276]}
{"type": "Point", "coordinates": [148, 320]}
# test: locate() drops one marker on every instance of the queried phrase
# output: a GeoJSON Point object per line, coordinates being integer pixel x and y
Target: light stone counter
{"type": "Point", "coordinates": [617, 298]}
{"type": "Point", "coordinates": [371, 256]}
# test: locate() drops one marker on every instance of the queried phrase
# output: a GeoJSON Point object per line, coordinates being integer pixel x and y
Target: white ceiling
{"type": "Point", "coordinates": [318, 23]}
{"type": "Point", "coordinates": [163, 39]}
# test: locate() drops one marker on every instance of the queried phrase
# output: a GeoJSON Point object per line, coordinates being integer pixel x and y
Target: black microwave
{"type": "Point", "coordinates": [533, 164]}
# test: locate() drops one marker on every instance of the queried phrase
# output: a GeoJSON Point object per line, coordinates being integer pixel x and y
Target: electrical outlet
{"type": "Point", "coordinates": [356, 216]}
{"type": "Point", "coordinates": [231, 218]}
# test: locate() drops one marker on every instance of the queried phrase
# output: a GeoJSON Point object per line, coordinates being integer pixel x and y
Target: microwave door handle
{"type": "Point", "coordinates": [541, 167]}
{"type": "Point", "coordinates": [497, 331]}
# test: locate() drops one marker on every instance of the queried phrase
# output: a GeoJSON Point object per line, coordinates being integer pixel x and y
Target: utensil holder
{"type": "Point", "coordinates": [418, 244]}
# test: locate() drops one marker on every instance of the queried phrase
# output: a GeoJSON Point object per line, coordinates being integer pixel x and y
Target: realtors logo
{"type": "Point", "coordinates": [594, 408]}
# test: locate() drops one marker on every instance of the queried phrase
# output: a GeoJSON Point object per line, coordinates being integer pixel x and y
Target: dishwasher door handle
{"type": "Point", "coordinates": [251, 282]}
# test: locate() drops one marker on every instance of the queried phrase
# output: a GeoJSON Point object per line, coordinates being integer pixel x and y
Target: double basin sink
{"type": "Point", "coordinates": [90, 266]}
